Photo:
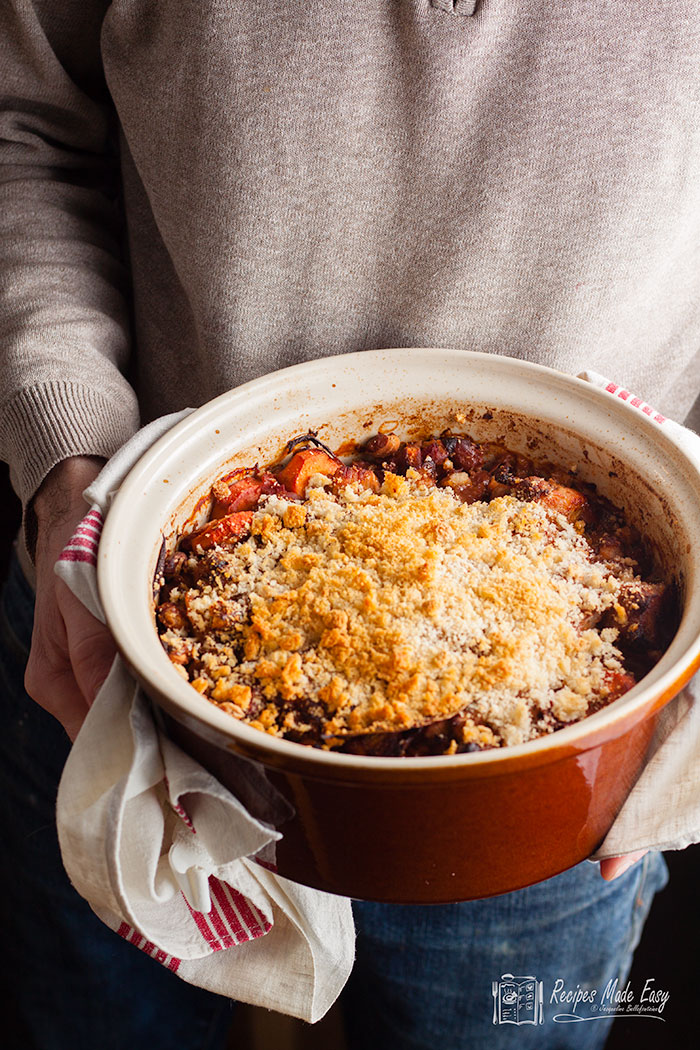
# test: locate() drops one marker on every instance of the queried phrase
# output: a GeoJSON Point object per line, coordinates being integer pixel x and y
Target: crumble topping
{"type": "Point", "coordinates": [369, 612]}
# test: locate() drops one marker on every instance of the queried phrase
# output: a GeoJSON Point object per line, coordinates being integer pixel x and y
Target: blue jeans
{"type": "Point", "coordinates": [423, 976]}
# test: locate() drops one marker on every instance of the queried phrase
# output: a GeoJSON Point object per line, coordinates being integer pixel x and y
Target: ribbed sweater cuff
{"type": "Point", "coordinates": [47, 423]}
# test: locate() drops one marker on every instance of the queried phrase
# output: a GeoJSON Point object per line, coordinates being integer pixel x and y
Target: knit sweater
{"type": "Point", "coordinates": [194, 193]}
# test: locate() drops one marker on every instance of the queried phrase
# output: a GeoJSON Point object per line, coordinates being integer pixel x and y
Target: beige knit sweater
{"type": "Point", "coordinates": [193, 193]}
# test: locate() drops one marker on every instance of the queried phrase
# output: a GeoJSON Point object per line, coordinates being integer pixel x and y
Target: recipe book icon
{"type": "Point", "coordinates": [517, 1000]}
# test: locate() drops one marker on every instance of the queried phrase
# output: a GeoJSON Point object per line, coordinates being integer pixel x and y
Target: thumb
{"type": "Point", "coordinates": [613, 867]}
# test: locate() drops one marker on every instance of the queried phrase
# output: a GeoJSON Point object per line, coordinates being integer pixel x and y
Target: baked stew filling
{"type": "Point", "coordinates": [424, 598]}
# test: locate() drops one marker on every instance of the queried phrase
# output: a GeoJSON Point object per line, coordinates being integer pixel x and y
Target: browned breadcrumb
{"type": "Point", "coordinates": [399, 608]}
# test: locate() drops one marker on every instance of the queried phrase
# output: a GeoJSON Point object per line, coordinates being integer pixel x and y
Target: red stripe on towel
{"type": "Point", "coordinates": [250, 915]}
{"type": "Point", "coordinates": [238, 934]}
{"type": "Point", "coordinates": [72, 555]}
{"type": "Point", "coordinates": [204, 928]}
{"type": "Point", "coordinates": [89, 530]}
{"type": "Point", "coordinates": [135, 938]}
{"type": "Point", "coordinates": [246, 911]}
{"type": "Point", "coordinates": [636, 402]}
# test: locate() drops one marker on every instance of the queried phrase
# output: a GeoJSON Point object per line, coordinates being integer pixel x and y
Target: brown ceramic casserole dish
{"type": "Point", "coordinates": [439, 828]}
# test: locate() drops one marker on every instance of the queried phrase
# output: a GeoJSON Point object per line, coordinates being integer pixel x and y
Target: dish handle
{"type": "Point", "coordinates": [686, 439]}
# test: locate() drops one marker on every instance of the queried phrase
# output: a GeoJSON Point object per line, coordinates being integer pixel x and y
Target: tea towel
{"type": "Point", "coordinates": [169, 858]}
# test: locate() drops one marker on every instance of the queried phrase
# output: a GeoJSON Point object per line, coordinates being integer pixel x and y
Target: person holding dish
{"type": "Point", "coordinates": [192, 199]}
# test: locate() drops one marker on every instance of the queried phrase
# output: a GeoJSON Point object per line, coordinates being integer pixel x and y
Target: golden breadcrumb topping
{"type": "Point", "coordinates": [395, 609]}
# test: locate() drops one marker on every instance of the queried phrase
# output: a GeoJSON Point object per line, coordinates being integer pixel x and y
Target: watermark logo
{"type": "Point", "coordinates": [593, 1004]}
{"type": "Point", "coordinates": [522, 1000]}
{"type": "Point", "coordinates": [517, 1000]}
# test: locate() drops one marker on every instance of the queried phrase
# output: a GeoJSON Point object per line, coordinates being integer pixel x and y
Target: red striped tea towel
{"type": "Point", "coordinates": [169, 858]}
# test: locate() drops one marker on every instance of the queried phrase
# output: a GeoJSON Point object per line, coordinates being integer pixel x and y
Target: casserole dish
{"type": "Point", "coordinates": [425, 829]}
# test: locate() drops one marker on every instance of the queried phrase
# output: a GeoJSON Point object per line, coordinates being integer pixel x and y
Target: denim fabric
{"type": "Point", "coordinates": [423, 976]}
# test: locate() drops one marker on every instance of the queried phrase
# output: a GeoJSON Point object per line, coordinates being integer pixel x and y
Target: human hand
{"type": "Point", "coordinates": [613, 867]}
{"type": "Point", "coordinates": [71, 651]}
